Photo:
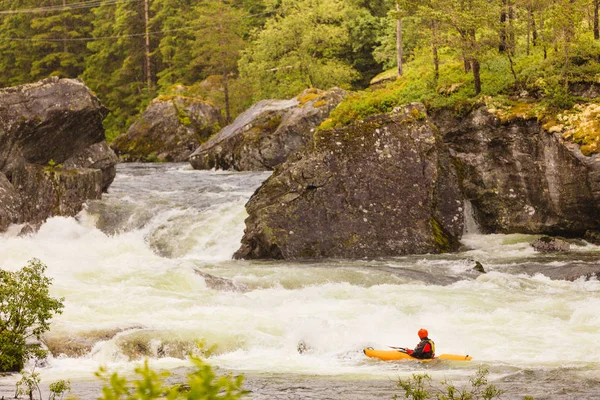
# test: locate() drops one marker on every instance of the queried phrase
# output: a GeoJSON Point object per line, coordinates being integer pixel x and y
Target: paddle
{"type": "Point", "coordinates": [402, 349]}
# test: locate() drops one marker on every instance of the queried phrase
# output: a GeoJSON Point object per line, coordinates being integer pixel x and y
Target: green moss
{"type": "Point", "coordinates": [439, 236]}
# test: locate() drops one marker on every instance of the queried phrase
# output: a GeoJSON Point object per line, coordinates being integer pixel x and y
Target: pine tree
{"type": "Point", "coordinates": [15, 43]}
{"type": "Point", "coordinates": [55, 44]}
{"type": "Point", "coordinates": [116, 69]}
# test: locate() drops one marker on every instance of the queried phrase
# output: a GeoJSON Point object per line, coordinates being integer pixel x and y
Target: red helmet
{"type": "Point", "coordinates": [423, 333]}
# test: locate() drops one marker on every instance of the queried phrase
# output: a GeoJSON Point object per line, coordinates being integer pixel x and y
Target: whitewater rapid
{"type": "Point", "coordinates": [127, 267]}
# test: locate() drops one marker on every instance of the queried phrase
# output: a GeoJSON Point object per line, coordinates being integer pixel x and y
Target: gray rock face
{"type": "Point", "coordinates": [381, 187]}
{"type": "Point", "coordinates": [547, 244]}
{"type": "Point", "coordinates": [170, 129]}
{"type": "Point", "coordinates": [51, 191]}
{"type": "Point", "coordinates": [10, 204]}
{"type": "Point", "coordinates": [97, 156]}
{"type": "Point", "coordinates": [48, 120]}
{"type": "Point", "coordinates": [520, 178]}
{"type": "Point", "coordinates": [264, 136]}
{"type": "Point", "coordinates": [42, 126]}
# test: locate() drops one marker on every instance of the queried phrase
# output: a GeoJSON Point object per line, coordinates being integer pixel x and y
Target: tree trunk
{"type": "Point", "coordinates": [528, 31]}
{"type": "Point", "coordinates": [502, 45]}
{"type": "Point", "coordinates": [596, 24]}
{"type": "Point", "coordinates": [534, 29]}
{"type": "Point", "coordinates": [476, 75]}
{"type": "Point", "coordinates": [436, 57]}
{"type": "Point", "coordinates": [399, 48]}
{"type": "Point", "coordinates": [148, 66]}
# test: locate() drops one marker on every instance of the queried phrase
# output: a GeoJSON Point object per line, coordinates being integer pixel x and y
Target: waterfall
{"type": "Point", "coordinates": [471, 226]}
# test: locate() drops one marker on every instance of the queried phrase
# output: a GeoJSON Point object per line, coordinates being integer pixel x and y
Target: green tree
{"type": "Point", "coordinates": [15, 43]}
{"type": "Point", "coordinates": [26, 309]}
{"type": "Point", "coordinates": [55, 41]}
{"type": "Point", "coordinates": [116, 69]}
{"type": "Point", "coordinates": [302, 46]}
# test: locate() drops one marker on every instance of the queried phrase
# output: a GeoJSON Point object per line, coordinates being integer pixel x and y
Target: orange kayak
{"type": "Point", "coordinates": [389, 355]}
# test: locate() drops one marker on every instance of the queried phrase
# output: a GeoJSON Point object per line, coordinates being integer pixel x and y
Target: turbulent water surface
{"type": "Point", "coordinates": [147, 271]}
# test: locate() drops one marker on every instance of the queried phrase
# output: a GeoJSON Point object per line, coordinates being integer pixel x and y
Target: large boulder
{"type": "Point", "coordinates": [380, 187]}
{"type": "Point", "coordinates": [519, 177]}
{"type": "Point", "coordinates": [49, 120]}
{"type": "Point", "coordinates": [170, 129]}
{"type": "Point", "coordinates": [48, 191]}
{"type": "Point", "coordinates": [97, 156]}
{"type": "Point", "coordinates": [265, 135]}
{"type": "Point", "coordinates": [10, 204]}
{"type": "Point", "coordinates": [52, 151]}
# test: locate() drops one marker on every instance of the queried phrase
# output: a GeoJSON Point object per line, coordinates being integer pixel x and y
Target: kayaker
{"type": "Point", "coordinates": [425, 349]}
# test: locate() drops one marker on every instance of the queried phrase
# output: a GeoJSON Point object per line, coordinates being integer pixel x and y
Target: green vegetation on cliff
{"type": "Point", "coordinates": [451, 53]}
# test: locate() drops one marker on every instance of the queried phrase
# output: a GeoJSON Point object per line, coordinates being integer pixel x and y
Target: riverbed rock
{"type": "Point", "coordinates": [49, 120]}
{"type": "Point", "coordinates": [47, 191]}
{"type": "Point", "coordinates": [264, 136]}
{"type": "Point", "coordinates": [547, 244]}
{"type": "Point", "coordinates": [42, 126]}
{"type": "Point", "coordinates": [380, 187]}
{"type": "Point", "coordinates": [170, 129]}
{"type": "Point", "coordinates": [10, 204]}
{"type": "Point", "coordinates": [520, 178]}
{"type": "Point", "coordinates": [97, 156]}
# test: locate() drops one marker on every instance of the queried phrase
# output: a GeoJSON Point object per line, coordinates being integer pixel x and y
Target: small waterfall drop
{"type": "Point", "coordinates": [470, 227]}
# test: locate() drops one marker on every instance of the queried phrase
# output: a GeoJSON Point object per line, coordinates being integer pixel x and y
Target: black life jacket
{"type": "Point", "coordinates": [419, 353]}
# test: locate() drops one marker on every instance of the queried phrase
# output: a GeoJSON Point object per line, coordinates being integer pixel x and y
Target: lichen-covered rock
{"type": "Point", "coordinates": [170, 129]}
{"type": "Point", "coordinates": [42, 126]}
{"type": "Point", "coordinates": [264, 136]}
{"type": "Point", "coordinates": [49, 120]}
{"type": "Point", "coordinates": [47, 191]}
{"type": "Point", "coordinates": [547, 244]}
{"type": "Point", "coordinates": [380, 187]}
{"type": "Point", "coordinates": [518, 177]}
{"type": "Point", "coordinates": [10, 204]}
{"type": "Point", "coordinates": [97, 156]}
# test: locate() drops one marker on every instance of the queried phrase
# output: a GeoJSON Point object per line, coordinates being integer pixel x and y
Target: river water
{"type": "Point", "coordinates": [135, 270]}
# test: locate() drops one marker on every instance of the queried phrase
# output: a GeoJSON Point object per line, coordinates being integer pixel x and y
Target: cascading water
{"type": "Point", "coordinates": [147, 271]}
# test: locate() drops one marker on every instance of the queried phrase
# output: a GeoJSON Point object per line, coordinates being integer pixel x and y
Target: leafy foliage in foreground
{"type": "Point", "coordinates": [419, 388]}
{"type": "Point", "coordinates": [202, 384]}
{"type": "Point", "coordinates": [26, 308]}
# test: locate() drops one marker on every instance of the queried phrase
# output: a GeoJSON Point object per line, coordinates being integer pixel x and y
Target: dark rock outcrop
{"type": "Point", "coordinates": [547, 244]}
{"type": "Point", "coordinates": [380, 187]}
{"type": "Point", "coordinates": [10, 204]}
{"type": "Point", "coordinates": [264, 136]}
{"type": "Point", "coordinates": [42, 126]}
{"type": "Point", "coordinates": [170, 129]}
{"type": "Point", "coordinates": [520, 178]}
{"type": "Point", "coordinates": [97, 156]}
{"type": "Point", "coordinates": [49, 191]}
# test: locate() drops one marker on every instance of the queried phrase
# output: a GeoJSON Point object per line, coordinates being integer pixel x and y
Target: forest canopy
{"type": "Point", "coordinates": [236, 52]}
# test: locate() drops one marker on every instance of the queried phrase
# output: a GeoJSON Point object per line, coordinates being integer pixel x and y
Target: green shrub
{"type": "Point", "coordinates": [26, 308]}
{"type": "Point", "coordinates": [419, 388]}
{"type": "Point", "coordinates": [202, 384]}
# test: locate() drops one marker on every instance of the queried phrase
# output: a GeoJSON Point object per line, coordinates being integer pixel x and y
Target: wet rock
{"type": "Point", "coordinates": [97, 156]}
{"type": "Point", "coordinates": [47, 191]}
{"type": "Point", "coordinates": [547, 244]}
{"type": "Point", "coordinates": [217, 283]}
{"type": "Point", "coordinates": [53, 119]}
{"type": "Point", "coordinates": [43, 125]}
{"type": "Point", "coordinates": [10, 204]}
{"type": "Point", "coordinates": [479, 268]}
{"type": "Point", "coordinates": [264, 136]}
{"type": "Point", "coordinates": [520, 178]}
{"type": "Point", "coordinates": [592, 237]}
{"type": "Point", "coordinates": [170, 129]}
{"type": "Point", "coordinates": [380, 187]}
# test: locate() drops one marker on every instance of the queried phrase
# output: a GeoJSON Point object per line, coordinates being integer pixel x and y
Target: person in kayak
{"type": "Point", "coordinates": [425, 349]}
